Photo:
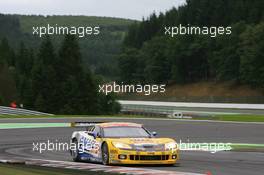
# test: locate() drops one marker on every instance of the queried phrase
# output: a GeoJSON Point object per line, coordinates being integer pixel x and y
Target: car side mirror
{"type": "Point", "coordinates": [154, 134]}
{"type": "Point", "coordinates": [98, 135]}
{"type": "Point", "coordinates": [93, 134]}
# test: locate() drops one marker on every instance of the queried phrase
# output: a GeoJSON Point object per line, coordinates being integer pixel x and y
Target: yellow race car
{"type": "Point", "coordinates": [121, 143]}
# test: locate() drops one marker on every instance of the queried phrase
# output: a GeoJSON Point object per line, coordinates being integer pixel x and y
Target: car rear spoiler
{"type": "Point", "coordinates": [84, 124]}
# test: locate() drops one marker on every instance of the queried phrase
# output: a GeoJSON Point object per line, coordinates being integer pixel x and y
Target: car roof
{"type": "Point", "coordinates": [119, 124]}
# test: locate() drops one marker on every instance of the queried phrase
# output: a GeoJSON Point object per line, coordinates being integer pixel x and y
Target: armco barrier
{"type": "Point", "coordinates": [19, 111]}
{"type": "Point", "coordinates": [204, 109]}
{"type": "Point", "coordinates": [195, 105]}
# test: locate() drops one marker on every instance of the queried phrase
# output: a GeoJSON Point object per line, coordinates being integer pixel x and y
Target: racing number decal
{"type": "Point", "coordinates": [88, 144]}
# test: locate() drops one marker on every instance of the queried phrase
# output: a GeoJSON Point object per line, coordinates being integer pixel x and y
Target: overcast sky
{"type": "Point", "coordinates": [132, 9]}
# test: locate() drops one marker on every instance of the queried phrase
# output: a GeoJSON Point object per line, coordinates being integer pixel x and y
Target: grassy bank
{"type": "Point", "coordinates": [235, 118]}
{"type": "Point", "coordinates": [74, 116]}
{"type": "Point", "coordinates": [205, 92]}
{"type": "Point", "coordinates": [248, 147]}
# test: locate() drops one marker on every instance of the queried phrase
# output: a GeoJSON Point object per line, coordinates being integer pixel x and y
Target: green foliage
{"type": "Point", "coordinates": [7, 78]}
{"type": "Point", "coordinates": [184, 59]}
{"type": "Point", "coordinates": [7, 23]}
{"type": "Point", "coordinates": [8, 91]}
{"type": "Point", "coordinates": [54, 82]}
{"type": "Point", "coordinates": [78, 92]}
{"type": "Point", "coordinates": [7, 55]}
{"type": "Point", "coordinates": [130, 66]}
{"type": "Point", "coordinates": [109, 104]}
{"type": "Point", "coordinates": [44, 78]}
{"type": "Point", "coordinates": [26, 91]}
{"type": "Point", "coordinates": [252, 54]}
{"type": "Point", "coordinates": [157, 69]}
{"type": "Point", "coordinates": [1, 100]}
{"type": "Point", "coordinates": [24, 60]}
{"type": "Point", "coordinates": [52, 74]}
{"type": "Point", "coordinates": [225, 58]}
{"type": "Point", "coordinates": [31, 20]}
{"type": "Point", "coordinates": [97, 51]}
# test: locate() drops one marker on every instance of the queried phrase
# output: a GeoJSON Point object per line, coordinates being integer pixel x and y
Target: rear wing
{"type": "Point", "coordinates": [84, 124]}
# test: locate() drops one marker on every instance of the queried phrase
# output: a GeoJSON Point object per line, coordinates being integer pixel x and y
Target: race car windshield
{"type": "Point", "coordinates": [125, 132]}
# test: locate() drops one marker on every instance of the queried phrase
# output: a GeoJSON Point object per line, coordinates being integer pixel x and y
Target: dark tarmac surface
{"type": "Point", "coordinates": [17, 143]}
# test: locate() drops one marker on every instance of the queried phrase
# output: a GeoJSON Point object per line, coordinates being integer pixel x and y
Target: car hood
{"type": "Point", "coordinates": [140, 141]}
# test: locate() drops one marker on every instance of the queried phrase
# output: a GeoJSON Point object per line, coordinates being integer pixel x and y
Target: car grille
{"type": "Point", "coordinates": [149, 157]}
{"type": "Point", "coordinates": [149, 147]}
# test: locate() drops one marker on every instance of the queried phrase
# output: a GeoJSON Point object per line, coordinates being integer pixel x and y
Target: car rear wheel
{"type": "Point", "coordinates": [105, 154]}
{"type": "Point", "coordinates": [75, 153]}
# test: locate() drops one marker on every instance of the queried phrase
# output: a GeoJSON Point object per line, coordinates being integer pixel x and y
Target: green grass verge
{"type": "Point", "coordinates": [215, 147]}
{"type": "Point", "coordinates": [247, 147]}
{"type": "Point", "coordinates": [77, 116]}
{"type": "Point", "coordinates": [236, 117]}
{"type": "Point", "coordinates": [42, 116]}
{"type": "Point", "coordinates": [8, 169]}
{"type": "Point", "coordinates": [32, 125]}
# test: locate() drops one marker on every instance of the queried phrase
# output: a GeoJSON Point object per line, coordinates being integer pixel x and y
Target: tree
{"type": "Point", "coordinates": [69, 58]}
{"type": "Point", "coordinates": [225, 59]}
{"type": "Point", "coordinates": [1, 100]}
{"type": "Point", "coordinates": [157, 68]}
{"type": "Point", "coordinates": [192, 58]}
{"type": "Point", "coordinates": [26, 92]}
{"type": "Point", "coordinates": [251, 53]}
{"type": "Point", "coordinates": [40, 104]}
{"type": "Point", "coordinates": [8, 91]}
{"type": "Point", "coordinates": [6, 53]}
{"type": "Point", "coordinates": [78, 92]}
{"type": "Point", "coordinates": [109, 104]}
{"type": "Point", "coordinates": [44, 77]}
{"type": "Point", "coordinates": [131, 66]}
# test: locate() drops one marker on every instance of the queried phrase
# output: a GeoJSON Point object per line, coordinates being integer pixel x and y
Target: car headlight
{"type": "Point", "coordinates": [121, 145]}
{"type": "Point", "coordinates": [171, 146]}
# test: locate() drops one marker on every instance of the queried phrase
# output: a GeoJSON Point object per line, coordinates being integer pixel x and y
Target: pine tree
{"type": "Point", "coordinates": [128, 59]}
{"type": "Point", "coordinates": [44, 77]}
{"type": "Point", "coordinates": [78, 92]}
{"type": "Point", "coordinates": [251, 53]}
{"type": "Point", "coordinates": [69, 58]}
{"type": "Point", "coordinates": [6, 53]}
{"type": "Point", "coordinates": [157, 68]}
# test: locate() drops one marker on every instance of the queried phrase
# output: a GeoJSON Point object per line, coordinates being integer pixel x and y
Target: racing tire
{"type": "Point", "coordinates": [75, 153]}
{"type": "Point", "coordinates": [105, 154]}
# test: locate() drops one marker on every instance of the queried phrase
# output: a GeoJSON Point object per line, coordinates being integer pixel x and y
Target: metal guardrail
{"type": "Point", "coordinates": [197, 99]}
{"type": "Point", "coordinates": [187, 109]}
{"type": "Point", "coordinates": [19, 111]}
{"type": "Point", "coordinates": [194, 105]}
{"type": "Point", "coordinates": [152, 111]}
{"type": "Point", "coordinates": [146, 108]}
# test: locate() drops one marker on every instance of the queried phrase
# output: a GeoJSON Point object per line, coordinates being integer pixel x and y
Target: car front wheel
{"type": "Point", "coordinates": [75, 153]}
{"type": "Point", "coordinates": [105, 154]}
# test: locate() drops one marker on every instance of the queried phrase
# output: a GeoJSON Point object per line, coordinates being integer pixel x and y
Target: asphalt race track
{"type": "Point", "coordinates": [18, 143]}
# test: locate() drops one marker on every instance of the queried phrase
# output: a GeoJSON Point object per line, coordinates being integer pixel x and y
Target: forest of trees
{"type": "Point", "coordinates": [98, 52]}
{"type": "Point", "coordinates": [51, 81]}
{"type": "Point", "coordinates": [57, 75]}
{"type": "Point", "coordinates": [238, 58]}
